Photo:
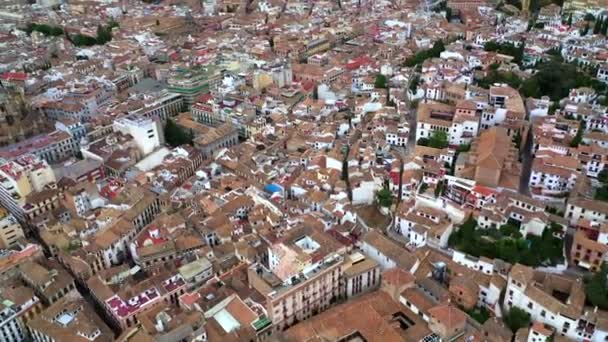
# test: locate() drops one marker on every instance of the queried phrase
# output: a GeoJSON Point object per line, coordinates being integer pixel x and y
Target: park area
{"type": "Point", "coordinates": [507, 243]}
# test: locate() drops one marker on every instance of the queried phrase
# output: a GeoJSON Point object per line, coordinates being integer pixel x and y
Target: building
{"type": "Point", "coordinates": [190, 83]}
{"type": "Point", "coordinates": [52, 147]}
{"type": "Point", "coordinates": [123, 302]}
{"type": "Point", "coordinates": [147, 133]}
{"type": "Point", "coordinates": [50, 281]}
{"type": "Point", "coordinates": [492, 160]}
{"type": "Point", "coordinates": [554, 300]}
{"type": "Point", "coordinates": [587, 252]}
{"type": "Point", "coordinates": [70, 319]}
{"type": "Point", "coordinates": [580, 208]}
{"type": "Point", "coordinates": [460, 123]}
{"type": "Point", "coordinates": [10, 230]}
{"type": "Point", "coordinates": [360, 275]}
{"type": "Point", "coordinates": [553, 176]}
{"type": "Point", "coordinates": [21, 177]}
{"type": "Point", "coordinates": [387, 253]}
{"type": "Point", "coordinates": [371, 317]}
{"type": "Point", "coordinates": [295, 291]}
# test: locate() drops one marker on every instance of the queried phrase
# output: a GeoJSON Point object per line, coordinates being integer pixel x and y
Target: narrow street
{"type": "Point", "coordinates": [526, 167]}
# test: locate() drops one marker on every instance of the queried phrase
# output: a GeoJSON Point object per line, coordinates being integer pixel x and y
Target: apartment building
{"type": "Point", "coordinates": [588, 252]}
{"type": "Point", "coordinates": [52, 147]}
{"type": "Point", "coordinates": [295, 291]}
{"type": "Point", "coordinates": [360, 275]}
{"type": "Point", "coordinates": [555, 300]}
{"type": "Point", "coordinates": [10, 230]}
{"type": "Point", "coordinates": [580, 208]}
{"type": "Point", "coordinates": [553, 175]}
{"type": "Point", "coordinates": [21, 177]}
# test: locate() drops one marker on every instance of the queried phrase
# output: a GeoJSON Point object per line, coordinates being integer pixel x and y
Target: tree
{"type": "Point", "coordinates": [517, 139]}
{"type": "Point", "coordinates": [385, 198]}
{"type": "Point", "coordinates": [423, 188]}
{"type": "Point", "coordinates": [83, 40]}
{"type": "Point", "coordinates": [380, 81]}
{"type": "Point", "coordinates": [604, 30]}
{"type": "Point", "coordinates": [579, 135]}
{"type": "Point", "coordinates": [585, 30]}
{"type": "Point", "coordinates": [597, 27]}
{"type": "Point", "coordinates": [175, 135]}
{"type": "Point", "coordinates": [569, 22]}
{"type": "Point", "coordinates": [438, 139]}
{"type": "Point", "coordinates": [596, 289]}
{"type": "Point", "coordinates": [423, 142]}
{"type": "Point", "coordinates": [423, 55]}
{"type": "Point", "coordinates": [588, 17]}
{"type": "Point", "coordinates": [439, 189]}
{"type": "Point", "coordinates": [603, 176]}
{"type": "Point", "coordinates": [345, 164]}
{"type": "Point", "coordinates": [517, 318]}
{"type": "Point", "coordinates": [104, 34]}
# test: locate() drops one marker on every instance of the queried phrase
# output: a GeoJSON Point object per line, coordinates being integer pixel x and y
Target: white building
{"type": "Point", "coordinates": [147, 133]}
{"type": "Point", "coordinates": [19, 178]}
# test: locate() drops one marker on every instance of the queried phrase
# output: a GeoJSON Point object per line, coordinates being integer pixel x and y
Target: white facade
{"type": "Point", "coordinates": [147, 133]}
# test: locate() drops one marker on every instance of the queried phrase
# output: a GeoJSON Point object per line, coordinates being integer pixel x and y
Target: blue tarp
{"type": "Point", "coordinates": [272, 188]}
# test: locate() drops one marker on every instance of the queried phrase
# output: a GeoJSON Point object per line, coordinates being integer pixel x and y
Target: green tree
{"type": "Point", "coordinates": [439, 189]}
{"type": "Point", "coordinates": [597, 26]}
{"type": "Point", "coordinates": [603, 176]}
{"type": "Point", "coordinates": [438, 139]}
{"type": "Point", "coordinates": [588, 17]}
{"type": "Point", "coordinates": [345, 164]}
{"type": "Point", "coordinates": [604, 30]}
{"type": "Point", "coordinates": [585, 30]}
{"type": "Point", "coordinates": [423, 142]}
{"type": "Point", "coordinates": [578, 138]}
{"type": "Point", "coordinates": [423, 188]}
{"type": "Point", "coordinates": [380, 81]}
{"type": "Point", "coordinates": [517, 139]}
{"type": "Point", "coordinates": [175, 135]}
{"type": "Point", "coordinates": [384, 197]}
{"type": "Point", "coordinates": [517, 318]}
{"type": "Point", "coordinates": [597, 289]}
{"type": "Point", "coordinates": [569, 22]}
{"type": "Point", "coordinates": [423, 55]}
{"type": "Point", "coordinates": [104, 34]}
{"type": "Point", "coordinates": [83, 40]}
